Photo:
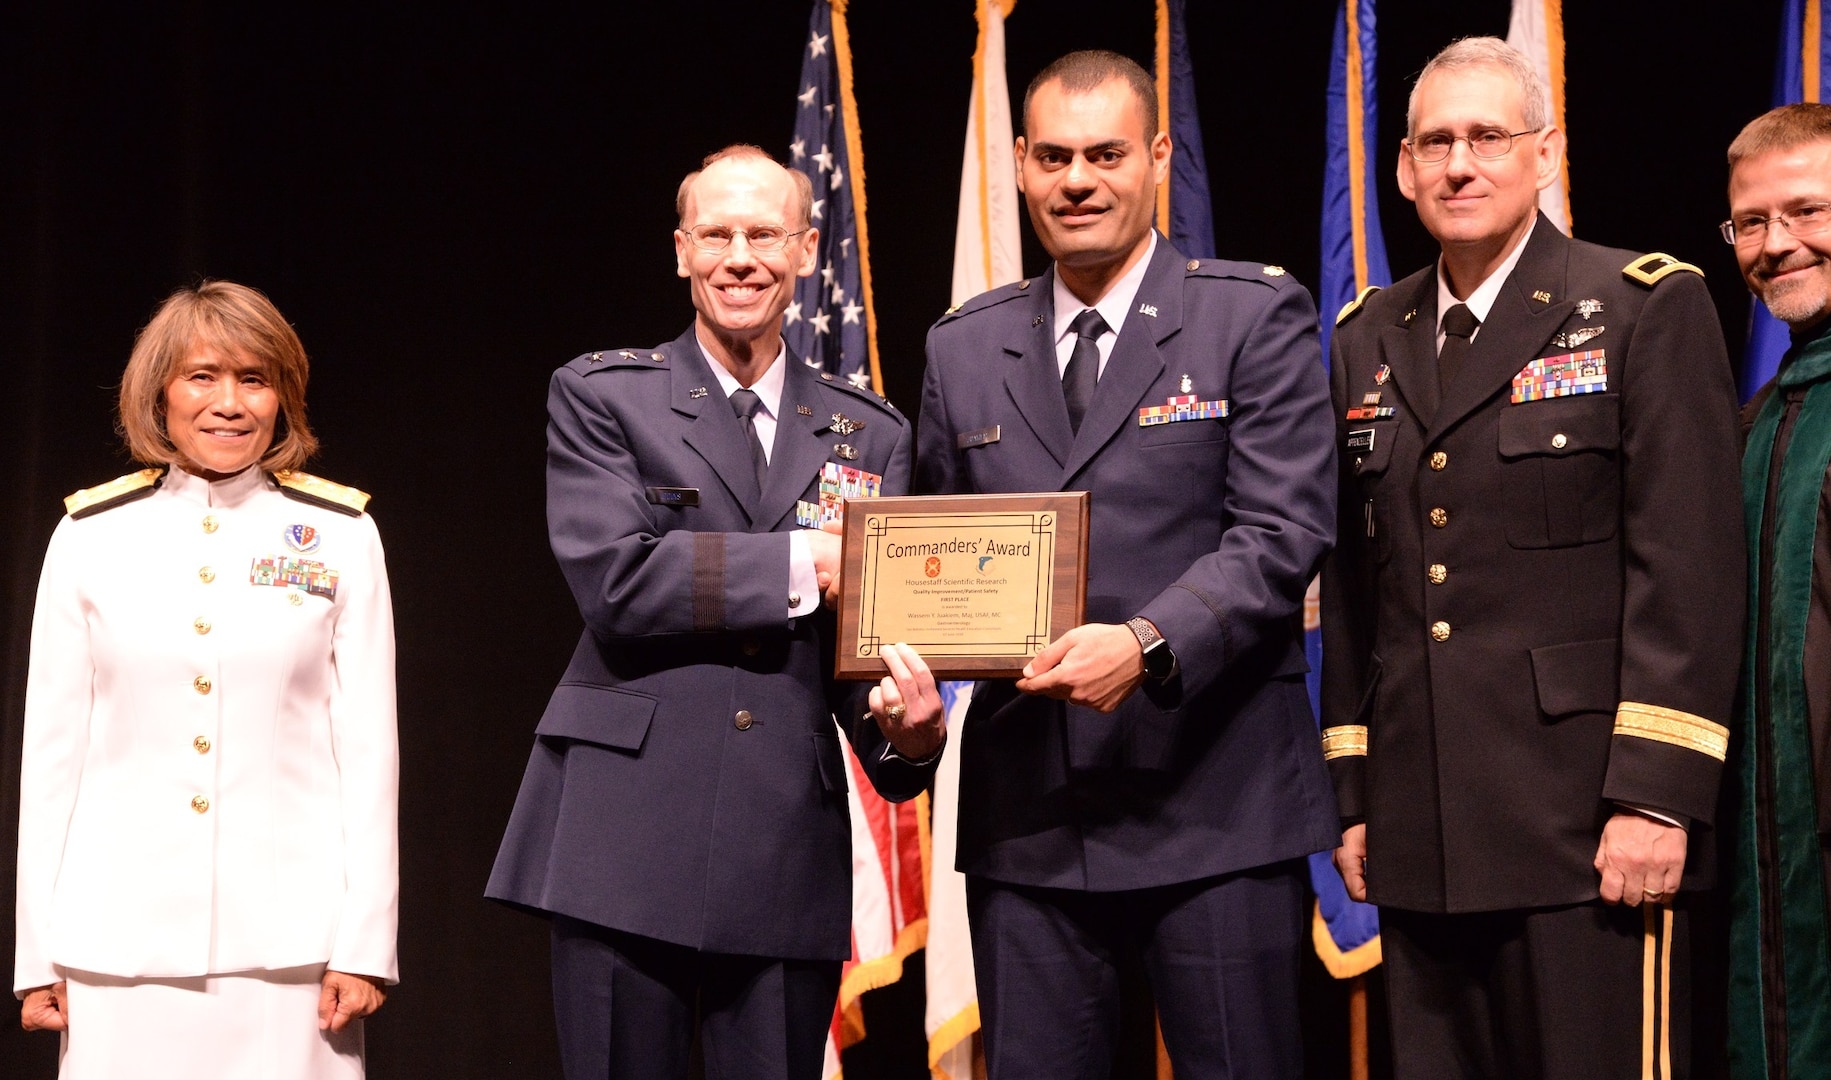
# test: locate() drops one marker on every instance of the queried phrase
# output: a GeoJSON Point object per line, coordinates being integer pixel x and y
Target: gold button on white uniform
{"type": "Point", "coordinates": [1439, 573]}
{"type": "Point", "coordinates": [209, 523]}
{"type": "Point", "coordinates": [200, 804]}
{"type": "Point", "coordinates": [206, 575]}
{"type": "Point", "coordinates": [1439, 516]}
{"type": "Point", "coordinates": [1558, 441]}
{"type": "Point", "coordinates": [743, 720]}
{"type": "Point", "coordinates": [201, 684]}
{"type": "Point", "coordinates": [201, 744]}
{"type": "Point", "coordinates": [1439, 461]}
{"type": "Point", "coordinates": [201, 625]}
{"type": "Point", "coordinates": [1440, 631]}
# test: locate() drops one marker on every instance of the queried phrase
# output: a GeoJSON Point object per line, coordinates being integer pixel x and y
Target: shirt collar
{"type": "Point", "coordinates": [1481, 301]}
{"type": "Point", "coordinates": [768, 389]}
{"type": "Point", "coordinates": [1112, 307]}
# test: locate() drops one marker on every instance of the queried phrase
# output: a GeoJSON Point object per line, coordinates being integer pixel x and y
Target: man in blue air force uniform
{"type": "Point", "coordinates": [1151, 785]}
{"type": "Point", "coordinates": [683, 818]}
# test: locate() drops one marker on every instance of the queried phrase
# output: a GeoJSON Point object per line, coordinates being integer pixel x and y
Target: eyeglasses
{"type": "Point", "coordinates": [767, 239]}
{"type": "Point", "coordinates": [1800, 221]}
{"type": "Point", "coordinates": [1487, 143]}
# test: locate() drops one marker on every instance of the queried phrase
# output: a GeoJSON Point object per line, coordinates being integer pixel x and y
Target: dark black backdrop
{"type": "Point", "coordinates": [449, 202]}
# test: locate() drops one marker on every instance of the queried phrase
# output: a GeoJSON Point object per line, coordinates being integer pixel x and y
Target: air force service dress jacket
{"type": "Point", "coordinates": [687, 782]}
{"type": "Point", "coordinates": [1533, 612]}
{"type": "Point", "coordinates": [210, 767]}
{"type": "Point", "coordinates": [1209, 526]}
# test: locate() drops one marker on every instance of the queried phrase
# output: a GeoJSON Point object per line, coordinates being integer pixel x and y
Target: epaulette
{"type": "Point", "coordinates": [321, 492]}
{"type": "Point", "coordinates": [856, 389]}
{"type": "Point", "coordinates": [117, 492]}
{"type": "Point", "coordinates": [1264, 273]}
{"type": "Point", "coordinates": [1349, 309]}
{"type": "Point", "coordinates": [606, 359]}
{"type": "Point", "coordinates": [1649, 269]}
{"type": "Point", "coordinates": [989, 298]}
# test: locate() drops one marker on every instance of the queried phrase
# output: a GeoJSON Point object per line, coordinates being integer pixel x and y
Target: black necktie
{"type": "Point", "coordinates": [1083, 371]}
{"type": "Point", "coordinates": [1458, 324]}
{"type": "Point", "coordinates": [745, 403]}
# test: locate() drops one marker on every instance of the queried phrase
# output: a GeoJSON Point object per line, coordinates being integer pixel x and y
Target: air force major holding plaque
{"type": "Point", "coordinates": [1151, 785]}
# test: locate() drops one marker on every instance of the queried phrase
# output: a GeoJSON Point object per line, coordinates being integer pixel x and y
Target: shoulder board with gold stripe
{"type": "Point", "coordinates": [1348, 309]}
{"type": "Point", "coordinates": [321, 492]}
{"type": "Point", "coordinates": [117, 492]}
{"type": "Point", "coordinates": [1649, 269]}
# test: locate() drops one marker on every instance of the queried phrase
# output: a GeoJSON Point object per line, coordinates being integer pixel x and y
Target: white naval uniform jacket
{"type": "Point", "coordinates": [210, 764]}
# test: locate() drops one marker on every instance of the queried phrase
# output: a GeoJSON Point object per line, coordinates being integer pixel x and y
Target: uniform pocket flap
{"type": "Point", "coordinates": [1578, 677]}
{"type": "Point", "coordinates": [1369, 446]}
{"type": "Point", "coordinates": [1561, 426]}
{"type": "Point", "coordinates": [597, 714]}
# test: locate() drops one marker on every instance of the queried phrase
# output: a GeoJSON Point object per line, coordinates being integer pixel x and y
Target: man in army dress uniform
{"type": "Point", "coordinates": [683, 817]}
{"type": "Point", "coordinates": [1149, 789]}
{"type": "Point", "coordinates": [1531, 619]}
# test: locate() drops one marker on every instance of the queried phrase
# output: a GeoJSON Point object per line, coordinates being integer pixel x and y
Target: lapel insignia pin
{"type": "Point", "coordinates": [597, 358]}
{"type": "Point", "coordinates": [1148, 309]}
{"type": "Point", "coordinates": [1410, 315]}
{"type": "Point", "coordinates": [1381, 374]}
{"type": "Point", "coordinates": [1542, 296]}
{"type": "Point", "coordinates": [845, 451]}
{"type": "Point", "coordinates": [1038, 321]}
{"type": "Point", "coordinates": [803, 410]}
{"type": "Point", "coordinates": [1573, 338]}
{"type": "Point", "coordinates": [1586, 308]}
{"type": "Point", "coordinates": [1187, 386]}
{"type": "Point", "coordinates": [302, 538]}
{"type": "Point", "coordinates": [697, 392]}
{"type": "Point", "coordinates": [844, 425]}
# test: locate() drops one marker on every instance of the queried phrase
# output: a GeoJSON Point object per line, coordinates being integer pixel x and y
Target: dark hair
{"type": "Point", "coordinates": [1080, 72]}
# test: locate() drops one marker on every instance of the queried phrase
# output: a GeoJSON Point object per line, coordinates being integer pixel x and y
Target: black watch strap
{"type": "Point", "coordinates": [1159, 661]}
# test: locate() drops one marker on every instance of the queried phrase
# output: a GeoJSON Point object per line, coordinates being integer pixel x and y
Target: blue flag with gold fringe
{"type": "Point", "coordinates": [1798, 71]}
{"type": "Point", "coordinates": [1346, 934]}
{"type": "Point", "coordinates": [1184, 212]}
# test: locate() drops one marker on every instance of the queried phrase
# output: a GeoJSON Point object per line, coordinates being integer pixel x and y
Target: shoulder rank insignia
{"type": "Point", "coordinates": [1348, 309]}
{"type": "Point", "coordinates": [116, 492]}
{"type": "Point", "coordinates": [321, 492]}
{"type": "Point", "coordinates": [1273, 271]}
{"type": "Point", "coordinates": [1649, 269]}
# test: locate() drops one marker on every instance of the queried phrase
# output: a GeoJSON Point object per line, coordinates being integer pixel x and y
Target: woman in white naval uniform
{"type": "Point", "coordinates": [207, 826]}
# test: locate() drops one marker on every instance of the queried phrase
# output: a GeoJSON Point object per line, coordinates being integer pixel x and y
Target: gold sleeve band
{"type": "Point", "coordinates": [1673, 727]}
{"type": "Point", "coordinates": [1347, 741]}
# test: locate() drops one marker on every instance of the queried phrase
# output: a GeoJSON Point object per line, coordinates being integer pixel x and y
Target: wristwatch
{"type": "Point", "coordinates": [1159, 661]}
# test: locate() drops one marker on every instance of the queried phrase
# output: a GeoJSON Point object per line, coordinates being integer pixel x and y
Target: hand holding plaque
{"type": "Point", "coordinates": [978, 584]}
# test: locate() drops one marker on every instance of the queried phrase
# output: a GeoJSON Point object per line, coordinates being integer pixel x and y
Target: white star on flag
{"type": "Point", "coordinates": [798, 149]}
{"type": "Point", "coordinates": [824, 158]}
{"type": "Point", "coordinates": [814, 211]}
{"type": "Point", "coordinates": [838, 178]}
{"type": "Point", "coordinates": [821, 321]}
{"type": "Point", "coordinates": [852, 311]}
{"type": "Point", "coordinates": [791, 315]}
{"type": "Point", "coordinates": [859, 379]}
{"type": "Point", "coordinates": [807, 98]}
{"type": "Point", "coordinates": [816, 45]}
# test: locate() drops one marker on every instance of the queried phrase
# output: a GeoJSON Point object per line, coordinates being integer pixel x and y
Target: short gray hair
{"type": "Point", "coordinates": [1489, 52]}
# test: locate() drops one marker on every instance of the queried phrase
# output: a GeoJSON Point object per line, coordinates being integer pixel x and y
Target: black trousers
{"type": "Point", "coordinates": [1221, 956]}
{"type": "Point", "coordinates": [1571, 993]}
{"type": "Point", "coordinates": [627, 1006]}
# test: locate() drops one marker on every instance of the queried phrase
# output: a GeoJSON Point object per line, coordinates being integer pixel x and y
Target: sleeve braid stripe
{"type": "Point", "coordinates": [1346, 741]}
{"type": "Point", "coordinates": [1672, 727]}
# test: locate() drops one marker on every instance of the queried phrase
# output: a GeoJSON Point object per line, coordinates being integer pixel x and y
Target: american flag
{"type": "Point", "coordinates": [830, 323]}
